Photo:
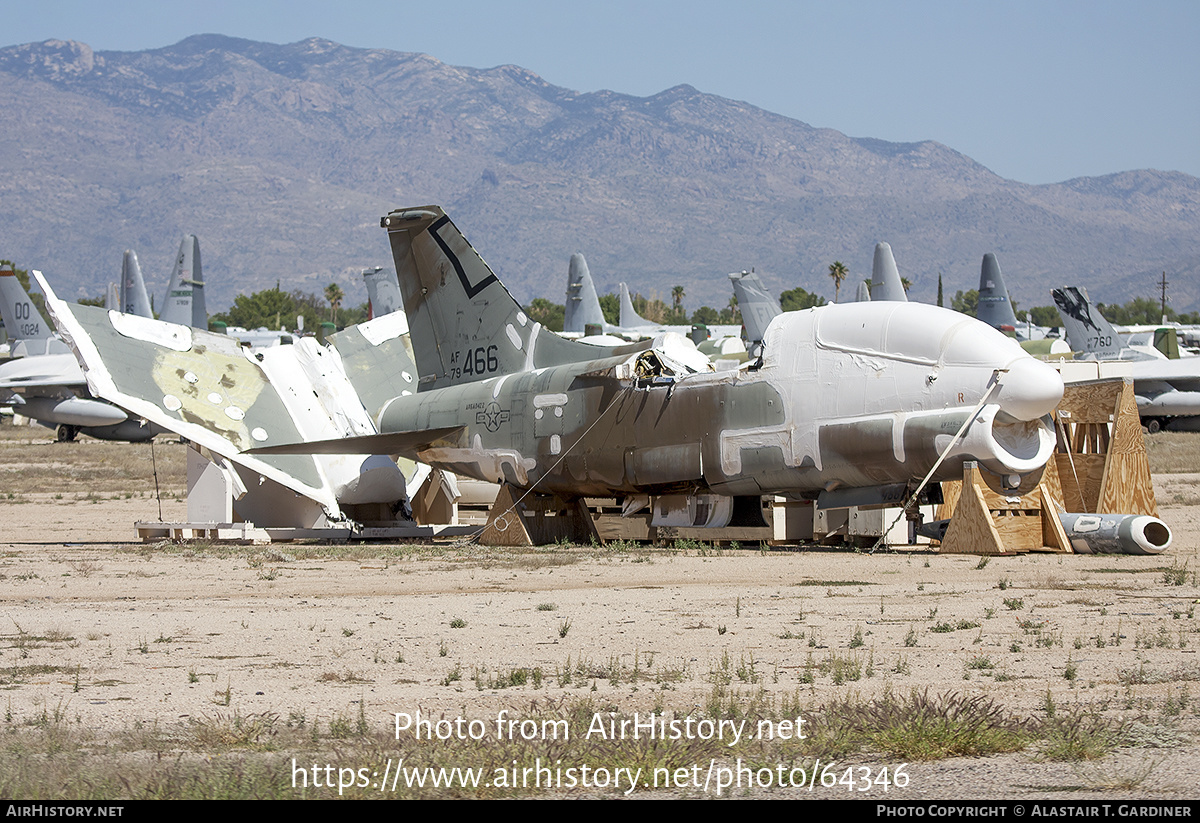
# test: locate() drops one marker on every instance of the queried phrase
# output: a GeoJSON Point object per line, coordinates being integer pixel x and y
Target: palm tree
{"type": "Point", "coordinates": [838, 271]}
{"type": "Point", "coordinates": [334, 294]}
{"type": "Point", "coordinates": [677, 298]}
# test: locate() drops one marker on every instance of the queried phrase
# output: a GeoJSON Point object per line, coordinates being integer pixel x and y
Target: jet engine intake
{"type": "Point", "coordinates": [1005, 445]}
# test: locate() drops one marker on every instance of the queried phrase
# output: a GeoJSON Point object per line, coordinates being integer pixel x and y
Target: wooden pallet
{"type": "Point", "coordinates": [249, 533]}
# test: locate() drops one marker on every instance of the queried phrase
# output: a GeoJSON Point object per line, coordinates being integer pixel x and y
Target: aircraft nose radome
{"type": "Point", "coordinates": [1030, 389]}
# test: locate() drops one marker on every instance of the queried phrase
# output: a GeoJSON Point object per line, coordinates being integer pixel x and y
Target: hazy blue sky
{"type": "Point", "coordinates": [1037, 91]}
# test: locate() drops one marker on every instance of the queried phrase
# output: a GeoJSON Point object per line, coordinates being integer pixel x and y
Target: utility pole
{"type": "Point", "coordinates": [1164, 297]}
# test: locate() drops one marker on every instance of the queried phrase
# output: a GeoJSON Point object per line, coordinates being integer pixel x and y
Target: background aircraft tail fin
{"type": "Point", "coordinates": [583, 304]}
{"type": "Point", "coordinates": [1086, 329]}
{"type": "Point", "coordinates": [885, 277]}
{"type": "Point", "coordinates": [757, 305]}
{"type": "Point", "coordinates": [630, 319]}
{"type": "Point", "coordinates": [133, 298]}
{"type": "Point", "coordinates": [185, 292]}
{"type": "Point", "coordinates": [22, 320]}
{"type": "Point", "coordinates": [383, 292]}
{"type": "Point", "coordinates": [995, 309]}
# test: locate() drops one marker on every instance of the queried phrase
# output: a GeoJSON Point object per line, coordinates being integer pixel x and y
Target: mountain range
{"type": "Point", "coordinates": [282, 159]}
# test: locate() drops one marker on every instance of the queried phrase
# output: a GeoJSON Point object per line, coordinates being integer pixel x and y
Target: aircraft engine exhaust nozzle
{"type": "Point", "coordinates": [1116, 533]}
{"type": "Point", "coordinates": [1096, 533]}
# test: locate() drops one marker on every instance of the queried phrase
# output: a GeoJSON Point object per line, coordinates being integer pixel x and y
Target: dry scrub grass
{"type": "Point", "coordinates": [228, 754]}
{"type": "Point", "coordinates": [1173, 452]}
{"type": "Point", "coordinates": [200, 670]}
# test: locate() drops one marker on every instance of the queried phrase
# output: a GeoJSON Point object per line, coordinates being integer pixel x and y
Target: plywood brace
{"type": "Point", "coordinates": [989, 522]}
{"type": "Point", "coordinates": [1101, 456]}
{"type": "Point", "coordinates": [519, 519]}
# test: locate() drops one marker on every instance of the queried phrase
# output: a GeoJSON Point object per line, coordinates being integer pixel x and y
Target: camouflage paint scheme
{"type": "Point", "coordinates": [853, 395]}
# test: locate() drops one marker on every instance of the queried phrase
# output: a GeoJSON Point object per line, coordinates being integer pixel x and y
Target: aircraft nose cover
{"type": "Point", "coordinates": [1029, 389]}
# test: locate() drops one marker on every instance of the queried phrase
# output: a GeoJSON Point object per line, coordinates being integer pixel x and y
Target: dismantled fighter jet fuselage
{"type": "Point", "coordinates": [831, 404]}
{"type": "Point", "coordinates": [845, 399]}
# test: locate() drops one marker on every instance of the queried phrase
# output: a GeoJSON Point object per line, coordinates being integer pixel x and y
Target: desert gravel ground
{"type": "Point", "coordinates": [111, 635]}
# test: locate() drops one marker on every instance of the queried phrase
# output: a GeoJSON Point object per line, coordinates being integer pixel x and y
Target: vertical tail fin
{"type": "Point", "coordinates": [583, 304]}
{"type": "Point", "coordinates": [757, 305]}
{"type": "Point", "coordinates": [383, 291]}
{"type": "Point", "coordinates": [1087, 330]}
{"type": "Point", "coordinates": [630, 319]}
{"type": "Point", "coordinates": [134, 299]}
{"type": "Point", "coordinates": [627, 318]}
{"type": "Point", "coordinates": [464, 324]}
{"type": "Point", "coordinates": [863, 295]}
{"type": "Point", "coordinates": [185, 293]}
{"type": "Point", "coordinates": [885, 277]}
{"type": "Point", "coordinates": [995, 309]}
{"type": "Point", "coordinates": [25, 325]}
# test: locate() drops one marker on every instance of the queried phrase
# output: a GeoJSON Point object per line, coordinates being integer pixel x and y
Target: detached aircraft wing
{"type": "Point", "coordinates": [230, 398]}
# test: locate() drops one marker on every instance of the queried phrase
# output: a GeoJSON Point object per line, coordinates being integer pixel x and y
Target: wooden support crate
{"type": "Point", "coordinates": [518, 519]}
{"type": "Point", "coordinates": [1101, 460]}
{"type": "Point", "coordinates": [985, 521]}
{"type": "Point", "coordinates": [1099, 466]}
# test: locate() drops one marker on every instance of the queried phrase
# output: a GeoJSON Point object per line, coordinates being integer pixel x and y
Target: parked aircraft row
{"type": "Point", "coordinates": [1168, 390]}
{"type": "Point", "coordinates": [44, 381]}
{"type": "Point", "coordinates": [53, 390]}
{"type": "Point", "coordinates": [856, 401]}
{"type": "Point", "coordinates": [583, 303]}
